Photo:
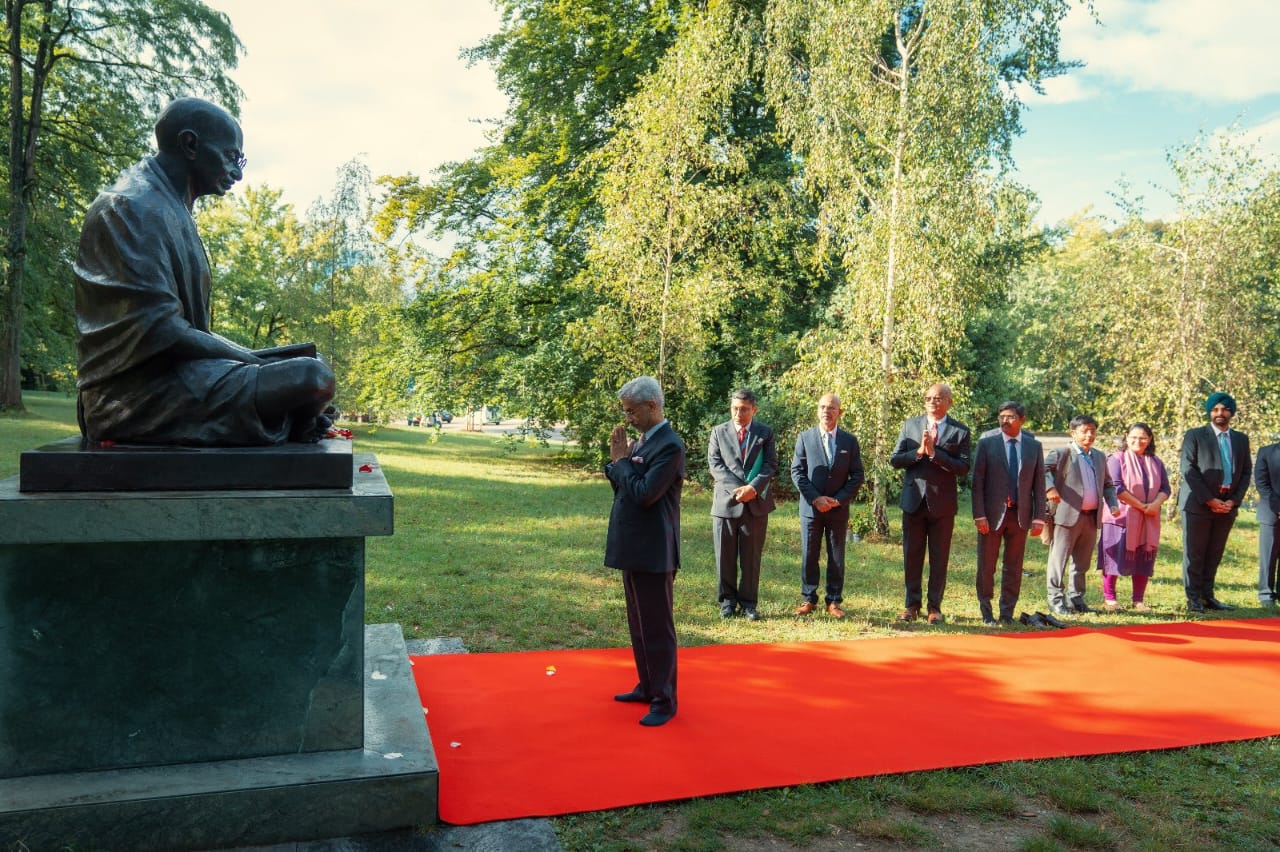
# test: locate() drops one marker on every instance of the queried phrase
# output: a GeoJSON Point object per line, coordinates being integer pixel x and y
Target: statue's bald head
{"type": "Point", "coordinates": [203, 118]}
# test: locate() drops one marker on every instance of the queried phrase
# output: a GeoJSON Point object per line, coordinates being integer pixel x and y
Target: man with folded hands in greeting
{"type": "Point", "coordinates": [644, 540]}
{"type": "Point", "coordinates": [933, 454]}
{"type": "Point", "coordinates": [827, 471]}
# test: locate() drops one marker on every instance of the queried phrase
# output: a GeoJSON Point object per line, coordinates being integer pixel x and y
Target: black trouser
{"type": "Point", "coordinates": [1204, 540]}
{"type": "Point", "coordinates": [831, 527]}
{"type": "Point", "coordinates": [920, 529]}
{"type": "Point", "coordinates": [650, 599]}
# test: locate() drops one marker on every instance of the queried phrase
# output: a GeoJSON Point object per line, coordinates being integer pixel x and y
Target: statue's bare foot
{"type": "Point", "coordinates": [310, 430]}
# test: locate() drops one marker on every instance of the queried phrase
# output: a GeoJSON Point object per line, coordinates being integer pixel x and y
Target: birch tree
{"type": "Point", "coordinates": [902, 112]}
{"type": "Point", "coordinates": [691, 262]}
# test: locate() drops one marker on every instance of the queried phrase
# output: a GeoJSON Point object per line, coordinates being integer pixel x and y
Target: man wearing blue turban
{"type": "Point", "coordinates": [1215, 468]}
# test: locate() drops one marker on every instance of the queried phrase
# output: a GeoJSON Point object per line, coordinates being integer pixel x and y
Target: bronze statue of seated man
{"type": "Point", "coordinates": [150, 369]}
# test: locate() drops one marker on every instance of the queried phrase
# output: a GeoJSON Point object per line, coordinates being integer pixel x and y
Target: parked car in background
{"type": "Point", "coordinates": [443, 416]}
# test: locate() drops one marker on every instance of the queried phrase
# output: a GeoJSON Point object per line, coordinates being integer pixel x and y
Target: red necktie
{"type": "Point", "coordinates": [742, 440]}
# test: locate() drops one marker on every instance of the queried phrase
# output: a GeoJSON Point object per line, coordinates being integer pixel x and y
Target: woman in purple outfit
{"type": "Point", "coordinates": [1129, 541]}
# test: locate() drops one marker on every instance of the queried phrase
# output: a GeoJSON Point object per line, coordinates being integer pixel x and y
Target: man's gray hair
{"type": "Point", "coordinates": [642, 389]}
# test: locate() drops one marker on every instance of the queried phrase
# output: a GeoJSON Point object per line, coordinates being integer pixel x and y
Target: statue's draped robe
{"type": "Point", "coordinates": [141, 281]}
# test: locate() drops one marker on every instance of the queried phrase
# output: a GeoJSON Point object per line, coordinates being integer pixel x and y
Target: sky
{"type": "Point", "coordinates": [326, 82]}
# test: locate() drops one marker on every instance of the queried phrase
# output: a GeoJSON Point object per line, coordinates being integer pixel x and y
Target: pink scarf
{"type": "Point", "coordinates": [1141, 530]}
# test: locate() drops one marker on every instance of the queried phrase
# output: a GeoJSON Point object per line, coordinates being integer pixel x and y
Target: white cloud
{"type": "Point", "coordinates": [326, 81]}
{"type": "Point", "coordinates": [1195, 47]}
{"type": "Point", "coordinates": [1057, 90]}
{"type": "Point", "coordinates": [1266, 136]}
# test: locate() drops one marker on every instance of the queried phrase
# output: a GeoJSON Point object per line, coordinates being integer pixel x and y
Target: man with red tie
{"type": "Point", "coordinates": [933, 454]}
{"type": "Point", "coordinates": [743, 460]}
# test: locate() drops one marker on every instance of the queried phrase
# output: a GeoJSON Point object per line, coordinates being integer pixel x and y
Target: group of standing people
{"type": "Point", "coordinates": [1076, 499]}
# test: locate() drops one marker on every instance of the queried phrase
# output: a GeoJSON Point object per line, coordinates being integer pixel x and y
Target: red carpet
{"type": "Point", "coordinates": [514, 741]}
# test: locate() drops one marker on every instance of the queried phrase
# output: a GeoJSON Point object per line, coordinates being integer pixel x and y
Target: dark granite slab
{"type": "Point", "coordinates": [81, 517]}
{"type": "Point", "coordinates": [74, 464]}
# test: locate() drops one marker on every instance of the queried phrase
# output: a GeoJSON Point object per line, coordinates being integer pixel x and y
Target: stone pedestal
{"type": "Point", "coordinates": [189, 669]}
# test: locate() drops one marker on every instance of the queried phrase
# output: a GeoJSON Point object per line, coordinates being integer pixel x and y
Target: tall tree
{"type": "Point", "coordinates": [349, 302]}
{"type": "Point", "coordinates": [1196, 299]}
{"type": "Point", "coordinates": [899, 110]}
{"type": "Point", "coordinates": [255, 246]}
{"type": "Point", "coordinates": [518, 216]}
{"type": "Point", "coordinates": [69, 61]}
{"type": "Point", "coordinates": [696, 260]}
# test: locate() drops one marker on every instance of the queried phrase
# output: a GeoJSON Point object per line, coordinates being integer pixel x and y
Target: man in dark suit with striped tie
{"type": "Point", "coordinates": [827, 471]}
{"type": "Point", "coordinates": [1215, 467]}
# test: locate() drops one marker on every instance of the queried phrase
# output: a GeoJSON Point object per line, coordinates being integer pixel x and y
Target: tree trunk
{"type": "Point", "coordinates": [24, 130]}
{"type": "Point", "coordinates": [15, 250]}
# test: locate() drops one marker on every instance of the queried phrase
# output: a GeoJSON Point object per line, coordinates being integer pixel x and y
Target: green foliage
{"type": "Point", "coordinates": [899, 111]}
{"type": "Point", "coordinates": [83, 81]}
{"type": "Point", "coordinates": [254, 243]}
{"type": "Point", "coordinates": [697, 267]}
{"type": "Point", "coordinates": [1144, 320]}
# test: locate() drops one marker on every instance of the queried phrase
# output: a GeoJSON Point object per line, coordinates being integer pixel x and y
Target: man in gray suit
{"type": "Point", "coordinates": [1079, 489]}
{"type": "Point", "coordinates": [1008, 502]}
{"type": "Point", "coordinates": [827, 471]}
{"type": "Point", "coordinates": [1266, 477]}
{"type": "Point", "coordinates": [644, 541]}
{"type": "Point", "coordinates": [743, 459]}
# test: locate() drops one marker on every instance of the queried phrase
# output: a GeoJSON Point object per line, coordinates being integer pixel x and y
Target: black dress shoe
{"type": "Point", "coordinates": [654, 718]}
{"type": "Point", "coordinates": [1214, 603]}
{"type": "Point", "coordinates": [988, 621]}
{"type": "Point", "coordinates": [1037, 621]}
{"type": "Point", "coordinates": [726, 610]}
{"type": "Point", "coordinates": [1051, 621]}
{"type": "Point", "coordinates": [1006, 620]}
{"type": "Point", "coordinates": [1059, 610]}
{"type": "Point", "coordinates": [1195, 606]}
{"type": "Point", "coordinates": [750, 613]}
{"type": "Point", "coordinates": [1081, 607]}
{"type": "Point", "coordinates": [632, 697]}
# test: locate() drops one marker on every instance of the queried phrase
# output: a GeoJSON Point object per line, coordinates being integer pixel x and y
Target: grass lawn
{"type": "Point", "coordinates": [500, 543]}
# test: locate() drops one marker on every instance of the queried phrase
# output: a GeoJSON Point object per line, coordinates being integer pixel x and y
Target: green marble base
{"type": "Point", "coordinates": [390, 783]}
{"type": "Point", "coordinates": [132, 654]}
{"type": "Point", "coordinates": [148, 628]}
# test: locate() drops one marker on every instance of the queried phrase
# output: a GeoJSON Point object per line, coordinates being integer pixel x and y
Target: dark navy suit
{"type": "Point", "coordinates": [1266, 478]}
{"type": "Point", "coordinates": [815, 477]}
{"type": "Point", "coordinates": [929, 503]}
{"type": "Point", "coordinates": [644, 543]}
